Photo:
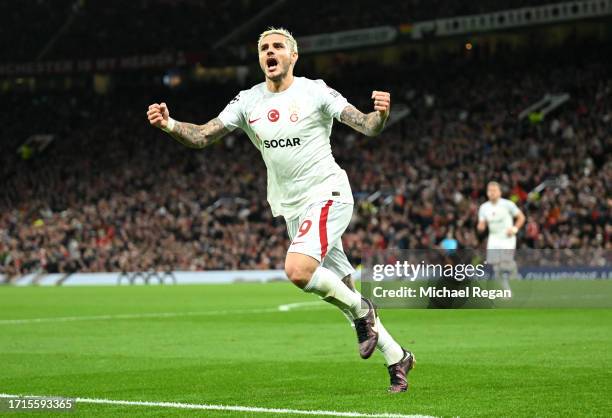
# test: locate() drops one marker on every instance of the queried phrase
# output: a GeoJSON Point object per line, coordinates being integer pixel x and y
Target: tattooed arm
{"type": "Point", "coordinates": [372, 123]}
{"type": "Point", "coordinates": [198, 136]}
{"type": "Point", "coordinates": [188, 134]}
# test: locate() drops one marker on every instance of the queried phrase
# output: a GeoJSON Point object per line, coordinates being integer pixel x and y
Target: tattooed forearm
{"type": "Point", "coordinates": [353, 117]}
{"type": "Point", "coordinates": [371, 124]}
{"type": "Point", "coordinates": [198, 136]}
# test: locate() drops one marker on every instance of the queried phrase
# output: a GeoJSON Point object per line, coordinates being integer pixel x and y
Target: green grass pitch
{"type": "Point", "coordinates": [236, 349]}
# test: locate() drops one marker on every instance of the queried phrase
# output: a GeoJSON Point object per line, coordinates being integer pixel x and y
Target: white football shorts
{"type": "Point", "coordinates": [317, 232]}
{"type": "Point", "coordinates": [501, 250]}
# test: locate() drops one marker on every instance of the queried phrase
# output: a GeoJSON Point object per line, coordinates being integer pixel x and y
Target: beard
{"type": "Point", "coordinates": [280, 76]}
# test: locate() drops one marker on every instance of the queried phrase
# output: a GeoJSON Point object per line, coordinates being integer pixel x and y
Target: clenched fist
{"type": "Point", "coordinates": [382, 103]}
{"type": "Point", "coordinates": [158, 115]}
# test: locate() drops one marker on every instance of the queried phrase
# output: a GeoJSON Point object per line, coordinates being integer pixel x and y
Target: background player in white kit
{"type": "Point", "coordinates": [504, 219]}
{"type": "Point", "coordinates": [289, 120]}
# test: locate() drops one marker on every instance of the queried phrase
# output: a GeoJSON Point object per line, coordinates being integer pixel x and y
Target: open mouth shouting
{"type": "Point", "coordinates": [271, 64]}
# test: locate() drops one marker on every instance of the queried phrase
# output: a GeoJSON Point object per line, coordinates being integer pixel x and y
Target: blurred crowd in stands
{"type": "Point", "coordinates": [75, 29]}
{"type": "Point", "coordinates": [464, 131]}
{"type": "Point", "coordinates": [110, 193]}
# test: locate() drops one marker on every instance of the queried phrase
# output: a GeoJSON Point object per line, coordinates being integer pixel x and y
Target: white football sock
{"type": "Point", "coordinates": [389, 348]}
{"type": "Point", "coordinates": [327, 285]}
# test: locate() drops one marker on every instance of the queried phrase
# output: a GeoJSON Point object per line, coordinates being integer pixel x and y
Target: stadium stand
{"type": "Point", "coordinates": [329, 16]}
{"type": "Point", "coordinates": [112, 194]}
{"type": "Point", "coordinates": [118, 28]}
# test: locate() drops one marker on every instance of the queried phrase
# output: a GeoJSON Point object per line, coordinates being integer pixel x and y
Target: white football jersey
{"type": "Point", "coordinates": [499, 217]}
{"type": "Point", "coordinates": [291, 129]}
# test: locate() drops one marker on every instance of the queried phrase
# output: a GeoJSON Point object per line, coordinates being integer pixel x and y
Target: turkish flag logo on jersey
{"type": "Point", "coordinates": [273, 115]}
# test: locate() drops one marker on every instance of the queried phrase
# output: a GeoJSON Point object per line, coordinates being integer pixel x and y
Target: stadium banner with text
{"type": "Point", "coordinates": [347, 39]}
{"type": "Point", "coordinates": [488, 278]}
{"type": "Point", "coordinates": [107, 64]}
{"type": "Point", "coordinates": [146, 278]}
{"type": "Point", "coordinates": [507, 19]}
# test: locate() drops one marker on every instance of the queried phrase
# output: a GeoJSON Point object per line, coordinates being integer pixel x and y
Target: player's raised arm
{"type": "Point", "coordinates": [372, 123]}
{"type": "Point", "coordinates": [188, 134]}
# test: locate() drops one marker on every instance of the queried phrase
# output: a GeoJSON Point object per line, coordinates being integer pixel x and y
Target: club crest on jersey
{"type": "Point", "coordinates": [273, 115]}
{"type": "Point", "coordinates": [293, 110]}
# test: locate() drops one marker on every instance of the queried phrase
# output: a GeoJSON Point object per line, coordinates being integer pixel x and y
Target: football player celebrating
{"type": "Point", "coordinates": [289, 120]}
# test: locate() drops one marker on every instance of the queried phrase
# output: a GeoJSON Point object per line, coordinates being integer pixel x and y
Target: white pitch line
{"type": "Point", "coordinates": [290, 306]}
{"type": "Point", "coordinates": [280, 308]}
{"type": "Point", "coordinates": [233, 408]}
{"type": "Point", "coordinates": [130, 316]}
